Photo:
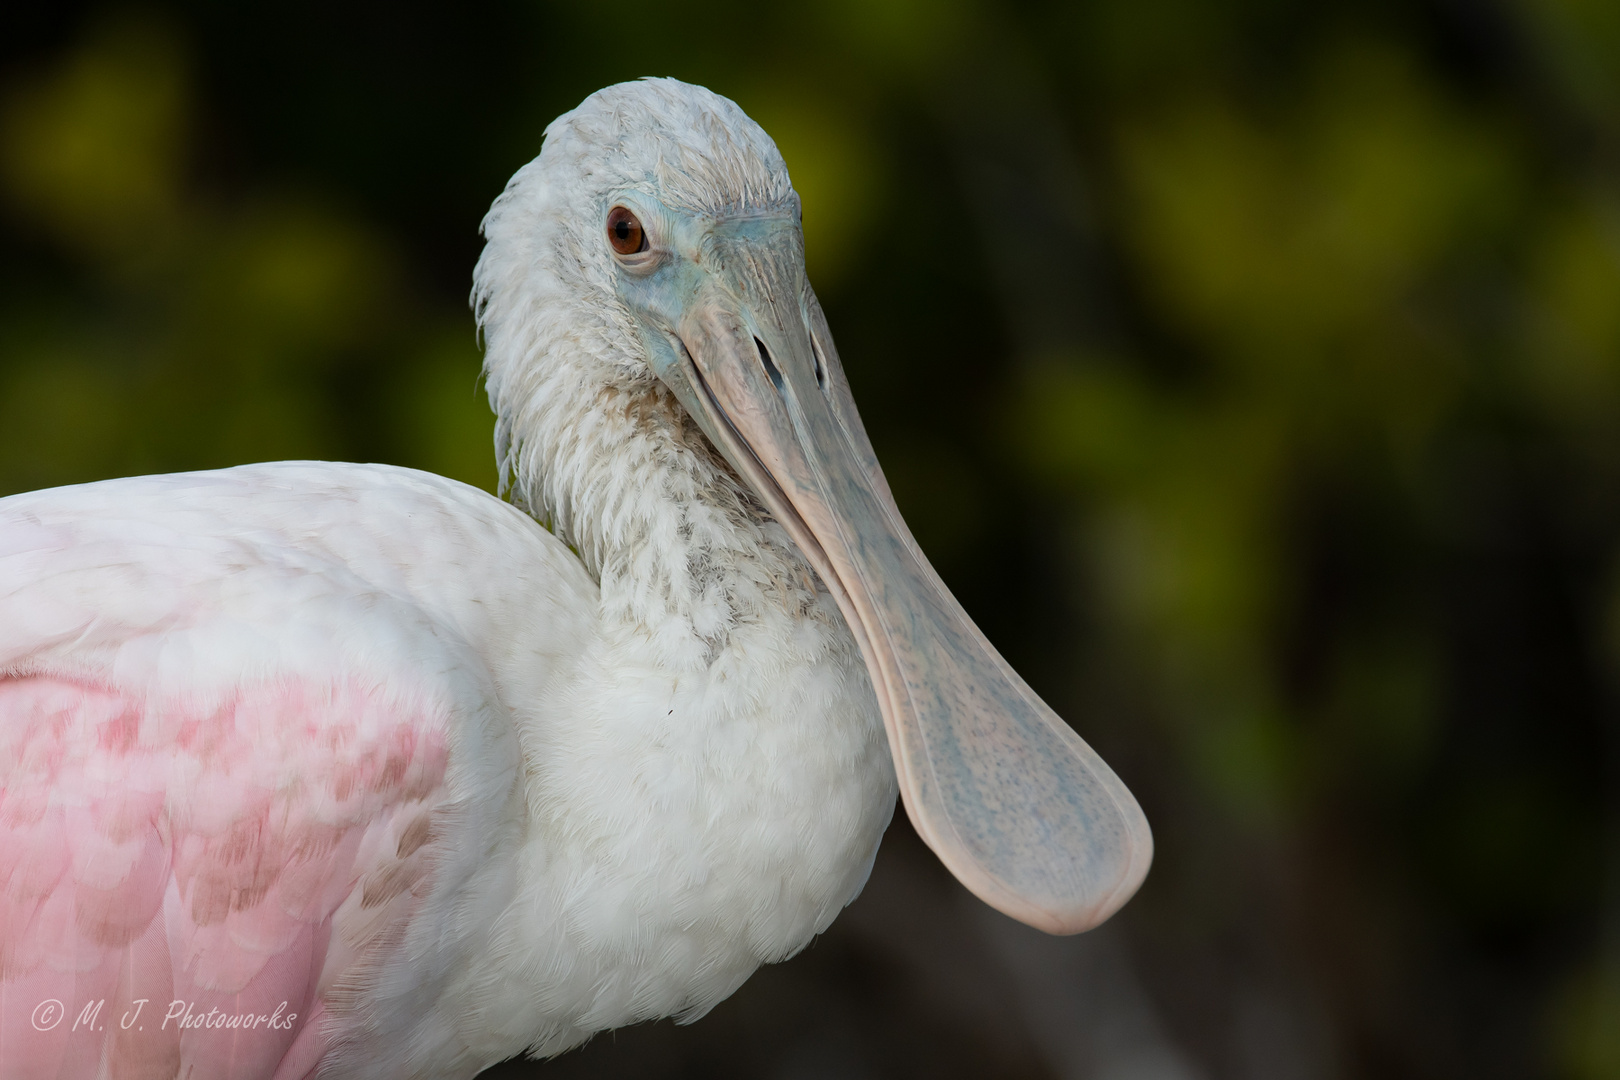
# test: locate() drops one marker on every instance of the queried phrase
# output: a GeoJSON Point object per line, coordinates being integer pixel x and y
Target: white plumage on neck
{"type": "Point", "coordinates": [708, 789]}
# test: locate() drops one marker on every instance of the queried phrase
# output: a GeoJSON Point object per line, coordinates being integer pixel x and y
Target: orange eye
{"type": "Point", "coordinates": [625, 232]}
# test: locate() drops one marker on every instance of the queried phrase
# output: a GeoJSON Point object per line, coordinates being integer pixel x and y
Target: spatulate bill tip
{"type": "Point", "coordinates": [1097, 900]}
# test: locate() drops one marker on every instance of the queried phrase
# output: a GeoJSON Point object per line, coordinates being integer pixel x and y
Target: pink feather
{"type": "Point", "coordinates": [187, 867]}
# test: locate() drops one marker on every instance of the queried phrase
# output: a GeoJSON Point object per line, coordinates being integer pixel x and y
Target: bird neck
{"type": "Point", "coordinates": [710, 780]}
{"type": "Point", "coordinates": [681, 548]}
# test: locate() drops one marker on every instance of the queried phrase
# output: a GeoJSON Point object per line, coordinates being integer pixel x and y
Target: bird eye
{"type": "Point", "coordinates": [625, 232]}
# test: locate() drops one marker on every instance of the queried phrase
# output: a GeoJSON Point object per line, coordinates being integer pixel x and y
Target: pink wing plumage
{"type": "Point", "coordinates": [171, 870]}
{"type": "Point", "coordinates": [229, 728]}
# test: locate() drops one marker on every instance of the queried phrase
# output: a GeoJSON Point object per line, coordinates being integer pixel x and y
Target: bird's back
{"type": "Point", "coordinates": [256, 758]}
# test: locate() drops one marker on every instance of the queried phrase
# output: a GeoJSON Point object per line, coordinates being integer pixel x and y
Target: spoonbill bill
{"type": "Point", "coordinates": [318, 769]}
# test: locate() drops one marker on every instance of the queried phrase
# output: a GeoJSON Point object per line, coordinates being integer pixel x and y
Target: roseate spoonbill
{"type": "Point", "coordinates": [349, 770]}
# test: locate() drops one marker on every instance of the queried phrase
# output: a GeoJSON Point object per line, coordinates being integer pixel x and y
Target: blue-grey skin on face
{"type": "Point", "coordinates": [1019, 808]}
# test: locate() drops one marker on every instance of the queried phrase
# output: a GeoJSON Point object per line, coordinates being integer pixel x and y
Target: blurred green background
{"type": "Point", "coordinates": [1250, 369]}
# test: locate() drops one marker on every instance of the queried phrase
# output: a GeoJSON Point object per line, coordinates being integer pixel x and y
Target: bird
{"type": "Point", "coordinates": [320, 769]}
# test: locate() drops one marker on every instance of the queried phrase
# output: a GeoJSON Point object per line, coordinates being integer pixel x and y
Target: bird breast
{"type": "Point", "coordinates": [709, 791]}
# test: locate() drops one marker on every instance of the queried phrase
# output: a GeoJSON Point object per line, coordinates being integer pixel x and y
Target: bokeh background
{"type": "Point", "coordinates": [1249, 368]}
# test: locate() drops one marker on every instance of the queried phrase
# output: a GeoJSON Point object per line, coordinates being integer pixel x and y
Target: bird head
{"type": "Point", "coordinates": [662, 219]}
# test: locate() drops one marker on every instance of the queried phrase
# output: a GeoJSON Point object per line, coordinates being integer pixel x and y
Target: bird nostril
{"type": "Point", "coordinates": [821, 369]}
{"type": "Point", "coordinates": [770, 365]}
